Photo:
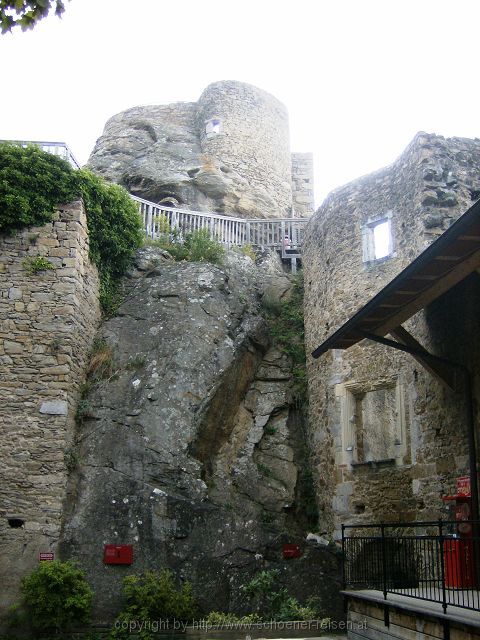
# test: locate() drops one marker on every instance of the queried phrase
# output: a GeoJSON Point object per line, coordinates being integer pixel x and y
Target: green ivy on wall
{"type": "Point", "coordinates": [33, 183]}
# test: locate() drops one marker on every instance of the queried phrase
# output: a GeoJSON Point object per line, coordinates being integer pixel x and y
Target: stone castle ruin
{"type": "Point", "coordinates": [194, 450]}
{"type": "Point", "coordinates": [229, 153]}
{"type": "Point", "coordinates": [390, 439]}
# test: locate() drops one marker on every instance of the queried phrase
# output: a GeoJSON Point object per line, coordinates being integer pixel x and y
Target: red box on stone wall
{"type": "Point", "coordinates": [118, 554]}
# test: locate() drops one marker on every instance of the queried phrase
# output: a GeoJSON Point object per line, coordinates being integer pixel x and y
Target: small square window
{"type": "Point", "coordinates": [377, 239]}
{"type": "Point", "coordinates": [213, 127]}
{"type": "Point", "coordinates": [381, 239]}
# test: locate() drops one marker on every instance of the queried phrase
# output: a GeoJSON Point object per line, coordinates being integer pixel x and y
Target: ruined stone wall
{"type": "Point", "coordinates": [47, 323]}
{"type": "Point", "coordinates": [421, 194]}
{"type": "Point", "coordinates": [302, 184]}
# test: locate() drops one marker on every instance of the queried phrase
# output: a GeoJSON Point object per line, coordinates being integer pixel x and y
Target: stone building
{"type": "Point", "coordinates": [389, 440]}
{"type": "Point", "coordinates": [229, 153]}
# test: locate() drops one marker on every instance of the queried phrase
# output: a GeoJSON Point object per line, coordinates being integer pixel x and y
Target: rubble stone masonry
{"type": "Point", "coordinates": [302, 184]}
{"type": "Point", "coordinates": [416, 445]}
{"type": "Point", "coordinates": [47, 323]}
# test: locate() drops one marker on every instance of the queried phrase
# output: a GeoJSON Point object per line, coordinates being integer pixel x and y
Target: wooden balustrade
{"type": "Point", "coordinates": [228, 230]}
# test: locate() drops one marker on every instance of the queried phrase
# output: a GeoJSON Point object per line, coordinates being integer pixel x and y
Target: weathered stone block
{"type": "Point", "coordinates": [58, 370]}
{"type": "Point", "coordinates": [15, 294]}
{"type": "Point", "coordinates": [47, 242]}
{"type": "Point", "coordinates": [12, 347]}
{"type": "Point", "coordinates": [55, 407]}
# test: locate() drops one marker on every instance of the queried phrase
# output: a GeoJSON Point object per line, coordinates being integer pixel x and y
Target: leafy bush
{"type": "Point", "coordinates": [276, 604]}
{"type": "Point", "coordinates": [32, 183]}
{"type": "Point", "coordinates": [56, 595]}
{"type": "Point", "coordinates": [152, 597]}
{"type": "Point", "coordinates": [176, 249]}
{"type": "Point", "coordinates": [201, 248]}
{"type": "Point", "coordinates": [197, 247]}
{"type": "Point", "coordinates": [290, 609]}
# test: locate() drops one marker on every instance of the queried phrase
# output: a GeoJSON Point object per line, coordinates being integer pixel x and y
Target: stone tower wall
{"type": "Point", "coordinates": [302, 184]}
{"type": "Point", "coordinates": [47, 324]}
{"type": "Point", "coordinates": [423, 192]}
{"type": "Point", "coordinates": [253, 140]}
{"type": "Point", "coordinates": [176, 155]}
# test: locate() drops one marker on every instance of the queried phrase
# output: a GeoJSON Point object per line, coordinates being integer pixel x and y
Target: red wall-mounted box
{"type": "Point", "coordinates": [118, 554]}
{"type": "Point", "coordinates": [291, 551]}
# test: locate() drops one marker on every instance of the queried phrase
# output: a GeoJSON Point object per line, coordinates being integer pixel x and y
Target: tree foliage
{"type": "Point", "coordinates": [26, 13]}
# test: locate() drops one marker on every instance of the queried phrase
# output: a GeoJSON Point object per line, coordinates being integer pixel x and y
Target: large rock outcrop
{"type": "Point", "coordinates": [175, 154]}
{"type": "Point", "coordinates": [190, 447]}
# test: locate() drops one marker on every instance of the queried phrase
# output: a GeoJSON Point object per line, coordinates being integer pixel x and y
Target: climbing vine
{"type": "Point", "coordinates": [285, 322]}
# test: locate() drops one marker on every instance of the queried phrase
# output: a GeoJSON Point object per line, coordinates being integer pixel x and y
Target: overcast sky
{"type": "Point", "coordinates": [359, 77]}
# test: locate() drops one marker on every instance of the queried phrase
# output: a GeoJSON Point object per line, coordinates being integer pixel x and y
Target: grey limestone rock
{"type": "Point", "coordinates": [190, 449]}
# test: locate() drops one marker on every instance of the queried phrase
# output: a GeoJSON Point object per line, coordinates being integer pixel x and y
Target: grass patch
{"type": "Point", "coordinates": [198, 246]}
{"type": "Point", "coordinates": [100, 365]}
{"type": "Point", "coordinates": [34, 265]}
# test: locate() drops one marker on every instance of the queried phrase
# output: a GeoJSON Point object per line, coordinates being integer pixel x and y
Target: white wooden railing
{"type": "Point", "coordinates": [285, 234]}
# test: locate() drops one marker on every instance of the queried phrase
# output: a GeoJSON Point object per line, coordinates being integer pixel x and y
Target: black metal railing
{"type": "Point", "coordinates": [435, 561]}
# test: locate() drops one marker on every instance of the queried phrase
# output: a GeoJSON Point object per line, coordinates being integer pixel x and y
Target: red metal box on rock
{"type": "Point", "coordinates": [118, 554]}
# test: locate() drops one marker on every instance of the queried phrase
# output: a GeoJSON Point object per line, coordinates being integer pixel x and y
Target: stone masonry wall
{"type": "Point", "coordinates": [422, 193]}
{"type": "Point", "coordinates": [253, 143]}
{"type": "Point", "coordinates": [47, 324]}
{"type": "Point", "coordinates": [302, 184]}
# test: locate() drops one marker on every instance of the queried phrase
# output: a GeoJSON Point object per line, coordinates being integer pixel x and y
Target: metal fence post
{"type": "Point", "coordinates": [384, 562]}
{"type": "Point", "coordinates": [441, 543]}
{"type": "Point", "coordinates": [344, 580]}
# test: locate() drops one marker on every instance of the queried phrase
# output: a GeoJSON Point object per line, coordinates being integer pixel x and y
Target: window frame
{"type": "Point", "coordinates": [213, 127]}
{"type": "Point", "coordinates": [368, 238]}
{"type": "Point", "coordinates": [348, 393]}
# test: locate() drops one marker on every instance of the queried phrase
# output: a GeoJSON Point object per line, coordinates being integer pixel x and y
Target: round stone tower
{"type": "Point", "coordinates": [228, 152]}
{"type": "Point", "coordinates": [244, 134]}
